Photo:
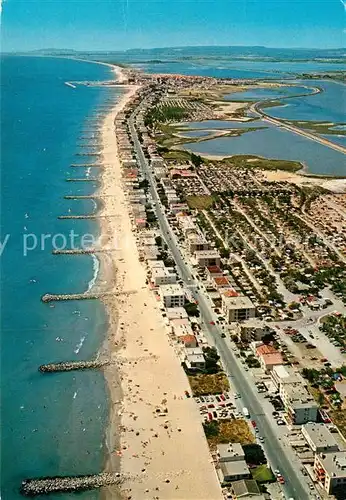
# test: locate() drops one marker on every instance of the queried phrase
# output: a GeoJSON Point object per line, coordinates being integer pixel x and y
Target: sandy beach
{"type": "Point", "coordinates": [163, 452]}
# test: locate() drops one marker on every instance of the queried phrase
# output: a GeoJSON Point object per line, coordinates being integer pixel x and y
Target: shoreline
{"type": "Point", "coordinates": [161, 454]}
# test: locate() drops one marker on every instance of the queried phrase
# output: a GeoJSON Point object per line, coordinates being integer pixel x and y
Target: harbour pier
{"type": "Point", "coordinates": [68, 366]}
{"type": "Point", "coordinates": [46, 485]}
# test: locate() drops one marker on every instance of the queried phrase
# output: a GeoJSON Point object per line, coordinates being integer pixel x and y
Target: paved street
{"type": "Point", "coordinates": [279, 457]}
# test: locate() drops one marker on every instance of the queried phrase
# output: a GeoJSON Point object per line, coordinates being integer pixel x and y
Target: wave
{"type": "Point", "coordinates": [80, 344]}
{"type": "Point", "coordinates": [96, 268]}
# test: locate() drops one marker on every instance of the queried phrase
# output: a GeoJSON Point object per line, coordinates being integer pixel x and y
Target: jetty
{"type": "Point", "coordinates": [93, 216]}
{"type": "Point", "coordinates": [87, 165]}
{"type": "Point", "coordinates": [51, 297]}
{"type": "Point", "coordinates": [68, 366]}
{"type": "Point", "coordinates": [81, 251]}
{"type": "Point", "coordinates": [46, 485]}
{"type": "Point", "coordinates": [88, 154]}
{"type": "Point", "coordinates": [83, 179]}
{"type": "Point", "coordinates": [87, 196]}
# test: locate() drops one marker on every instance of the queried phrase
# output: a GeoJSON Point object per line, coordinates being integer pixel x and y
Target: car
{"type": "Point", "coordinates": [280, 421]}
{"type": "Point", "coordinates": [214, 414]}
{"type": "Point", "coordinates": [202, 399]}
{"type": "Point", "coordinates": [277, 472]}
{"type": "Point", "coordinates": [187, 394]}
{"type": "Point", "coordinates": [311, 486]}
{"type": "Point", "coordinates": [210, 417]}
{"type": "Point", "coordinates": [253, 422]}
{"type": "Point", "coordinates": [261, 438]}
{"type": "Point", "coordinates": [212, 323]}
{"type": "Point", "coordinates": [281, 480]}
{"type": "Point", "coordinates": [211, 406]}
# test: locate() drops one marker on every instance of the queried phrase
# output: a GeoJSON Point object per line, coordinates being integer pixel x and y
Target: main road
{"type": "Point", "coordinates": [256, 109]}
{"type": "Point", "coordinates": [279, 457]}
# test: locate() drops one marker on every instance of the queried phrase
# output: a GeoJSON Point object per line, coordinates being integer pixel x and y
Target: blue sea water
{"type": "Point", "coordinates": [52, 424]}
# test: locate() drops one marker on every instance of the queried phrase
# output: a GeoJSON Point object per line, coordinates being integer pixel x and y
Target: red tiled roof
{"type": "Point", "coordinates": [214, 269]}
{"type": "Point", "coordinates": [231, 293]}
{"type": "Point", "coordinates": [265, 349]}
{"type": "Point", "coordinates": [188, 338]}
{"type": "Point", "coordinates": [272, 359]}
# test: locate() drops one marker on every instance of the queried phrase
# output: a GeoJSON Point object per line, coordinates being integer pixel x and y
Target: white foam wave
{"type": "Point", "coordinates": [79, 345]}
{"type": "Point", "coordinates": [96, 268]}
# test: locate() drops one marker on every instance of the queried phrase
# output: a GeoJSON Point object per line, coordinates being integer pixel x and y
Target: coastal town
{"type": "Point", "coordinates": [226, 357]}
{"type": "Point", "coordinates": [245, 281]}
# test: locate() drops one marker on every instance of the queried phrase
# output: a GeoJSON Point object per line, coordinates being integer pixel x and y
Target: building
{"type": "Point", "coordinates": [300, 406]}
{"type": "Point", "coordinates": [247, 489]}
{"type": "Point", "coordinates": [237, 308]}
{"type": "Point", "coordinates": [196, 242]}
{"type": "Point", "coordinates": [233, 471]}
{"type": "Point", "coordinates": [172, 295]}
{"type": "Point", "coordinates": [206, 258]}
{"type": "Point", "coordinates": [330, 471]}
{"type": "Point", "coordinates": [284, 375]}
{"type": "Point", "coordinates": [187, 225]}
{"type": "Point", "coordinates": [181, 328]}
{"type": "Point", "coordinates": [268, 361]}
{"type": "Point", "coordinates": [253, 329]}
{"type": "Point", "coordinates": [176, 313]}
{"type": "Point", "coordinates": [153, 264]}
{"type": "Point", "coordinates": [268, 357]}
{"type": "Point", "coordinates": [319, 438]}
{"type": "Point", "coordinates": [194, 358]}
{"type": "Point", "coordinates": [150, 252]}
{"type": "Point", "coordinates": [162, 276]}
{"type": "Point", "coordinates": [230, 452]}
{"type": "Point", "coordinates": [222, 283]}
{"type": "Point", "coordinates": [213, 272]}
{"type": "Point", "coordinates": [189, 341]}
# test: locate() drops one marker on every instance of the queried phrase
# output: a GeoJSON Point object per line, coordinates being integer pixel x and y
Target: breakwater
{"type": "Point", "coordinates": [85, 216]}
{"type": "Point", "coordinates": [81, 251]}
{"type": "Point", "coordinates": [67, 366]}
{"type": "Point", "coordinates": [44, 486]}
{"type": "Point", "coordinates": [83, 179]}
{"type": "Point", "coordinates": [87, 165]}
{"type": "Point", "coordinates": [51, 297]}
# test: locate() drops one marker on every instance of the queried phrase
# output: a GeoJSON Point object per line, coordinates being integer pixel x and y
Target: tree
{"type": "Point", "coordinates": [254, 454]}
{"type": "Point", "coordinates": [196, 160]}
{"type": "Point", "coordinates": [158, 241]}
{"type": "Point", "coordinates": [192, 309]}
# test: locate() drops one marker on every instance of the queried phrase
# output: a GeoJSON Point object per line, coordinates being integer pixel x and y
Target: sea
{"type": "Point", "coordinates": [51, 424]}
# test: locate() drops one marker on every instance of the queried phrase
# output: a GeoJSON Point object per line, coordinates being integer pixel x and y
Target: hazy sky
{"type": "Point", "coordinates": [122, 24]}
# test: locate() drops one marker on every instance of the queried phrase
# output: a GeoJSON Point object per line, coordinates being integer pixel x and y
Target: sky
{"type": "Point", "coordinates": [126, 24]}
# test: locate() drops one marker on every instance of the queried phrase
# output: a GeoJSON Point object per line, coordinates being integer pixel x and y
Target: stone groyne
{"type": "Point", "coordinates": [46, 485]}
{"type": "Point", "coordinates": [67, 366]}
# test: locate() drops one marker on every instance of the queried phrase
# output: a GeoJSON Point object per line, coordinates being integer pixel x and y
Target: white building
{"type": "Point", "coordinates": [172, 295]}
{"type": "Point", "coordinates": [230, 452]}
{"type": "Point", "coordinates": [299, 404]}
{"type": "Point", "coordinates": [162, 276]}
{"type": "Point", "coordinates": [207, 258]}
{"type": "Point", "coordinates": [237, 308]}
{"type": "Point", "coordinates": [194, 357]}
{"type": "Point", "coordinates": [319, 438]}
{"type": "Point", "coordinates": [330, 471]}
{"type": "Point", "coordinates": [196, 242]}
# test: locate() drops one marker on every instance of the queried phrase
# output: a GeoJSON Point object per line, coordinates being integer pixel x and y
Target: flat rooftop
{"type": "Point", "coordinates": [320, 435]}
{"type": "Point", "coordinates": [238, 302]}
{"type": "Point", "coordinates": [334, 463]}
{"type": "Point", "coordinates": [171, 290]}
